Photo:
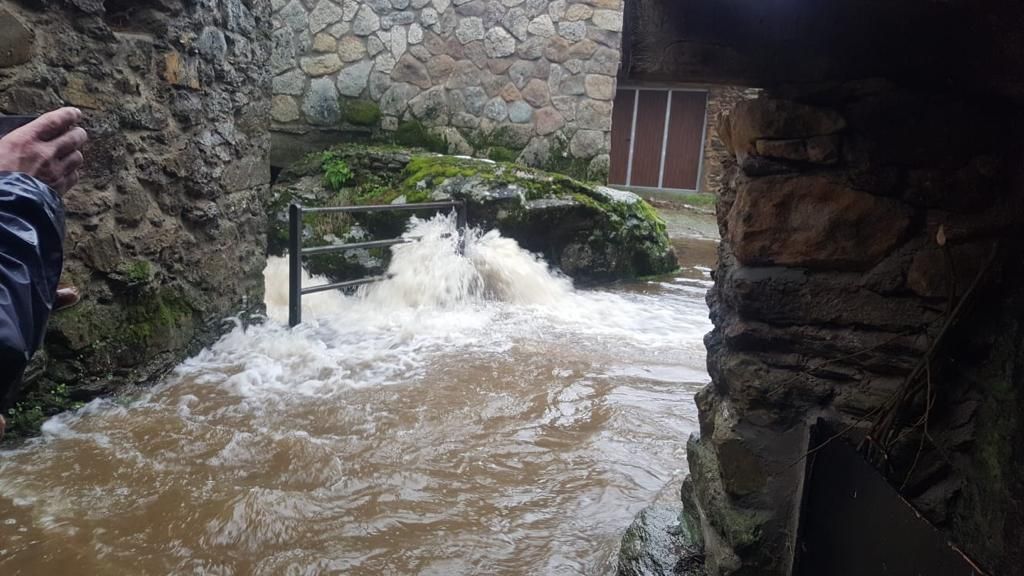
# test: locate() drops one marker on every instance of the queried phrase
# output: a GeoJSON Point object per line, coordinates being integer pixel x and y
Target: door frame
{"type": "Point", "coordinates": [636, 88]}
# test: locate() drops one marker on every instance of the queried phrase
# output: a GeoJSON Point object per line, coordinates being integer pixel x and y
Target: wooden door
{"type": "Point", "coordinates": [657, 138]}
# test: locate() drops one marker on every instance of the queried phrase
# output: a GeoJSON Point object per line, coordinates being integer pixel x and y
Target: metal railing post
{"type": "Point", "coordinates": [460, 215]}
{"type": "Point", "coordinates": [296, 252]}
{"type": "Point", "coordinates": [294, 265]}
{"type": "Point", "coordinates": [461, 223]}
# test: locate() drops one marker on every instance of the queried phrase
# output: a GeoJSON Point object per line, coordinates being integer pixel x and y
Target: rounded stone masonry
{"type": "Point", "coordinates": [487, 77]}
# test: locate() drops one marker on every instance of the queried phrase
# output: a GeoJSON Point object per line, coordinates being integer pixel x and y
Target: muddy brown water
{"type": "Point", "coordinates": [515, 433]}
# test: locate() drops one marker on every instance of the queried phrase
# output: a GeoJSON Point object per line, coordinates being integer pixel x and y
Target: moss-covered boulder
{"type": "Point", "coordinates": [592, 233]}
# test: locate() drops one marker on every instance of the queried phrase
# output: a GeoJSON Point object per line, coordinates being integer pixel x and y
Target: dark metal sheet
{"type": "Point", "coordinates": [853, 523]}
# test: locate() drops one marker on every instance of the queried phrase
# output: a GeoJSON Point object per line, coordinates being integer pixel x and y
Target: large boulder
{"type": "Point", "coordinates": [591, 232]}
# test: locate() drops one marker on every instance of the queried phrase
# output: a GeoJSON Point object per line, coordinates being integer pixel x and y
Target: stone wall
{"type": "Point", "coordinates": [526, 79]}
{"type": "Point", "coordinates": [165, 232]}
{"type": "Point", "coordinates": [718, 167]}
{"type": "Point", "coordinates": [869, 275]}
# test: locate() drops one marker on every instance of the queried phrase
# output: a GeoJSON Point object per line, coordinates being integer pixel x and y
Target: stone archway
{"type": "Point", "coordinates": [869, 271]}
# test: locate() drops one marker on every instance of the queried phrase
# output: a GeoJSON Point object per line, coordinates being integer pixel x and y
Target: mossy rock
{"type": "Point", "coordinates": [416, 135]}
{"type": "Point", "coordinates": [42, 401]}
{"type": "Point", "coordinates": [593, 233]}
{"type": "Point", "coordinates": [361, 112]}
{"type": "Point", "coordinates": [655, 545]}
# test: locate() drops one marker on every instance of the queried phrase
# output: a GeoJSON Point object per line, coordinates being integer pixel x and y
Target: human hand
{"type": "Point", "coordinates": [48, 149]}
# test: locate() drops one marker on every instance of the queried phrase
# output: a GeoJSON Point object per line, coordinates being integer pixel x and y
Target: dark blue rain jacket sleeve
{"type": "Point", "coordinates": [31, 258]}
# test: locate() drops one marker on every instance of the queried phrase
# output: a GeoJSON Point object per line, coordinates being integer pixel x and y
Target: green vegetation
{"type": "Point", "coordinates": [146, 320]}
{"type": "Point", "coordinates": [561, 161]}
{"type": "Point", "coordinates": [502, 154]}
{"type": "Point", "coordinates": [361, 112]}
{"type": "Point", "coordinates": [28, 416]}
{"type": "Point", "coordinates": [700, 200]}
{"type": "Point", "coordinates": [336, 171]}
{"type": "Point", "coordinates": [500, 144]}
{"type": "Point", "coordinates": [134, 273]}
{"type": "Point", "coordinates": [415, 134]}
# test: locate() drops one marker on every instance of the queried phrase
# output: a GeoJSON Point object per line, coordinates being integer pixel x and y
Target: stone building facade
{"type": "Point", "coordinates": [532, 77]}
{"type": "Point", "coordinates": [166, 231]}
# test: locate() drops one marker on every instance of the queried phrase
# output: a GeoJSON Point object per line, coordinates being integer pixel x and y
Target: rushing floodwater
{"type": "Point", "coordinates": [469, 416]}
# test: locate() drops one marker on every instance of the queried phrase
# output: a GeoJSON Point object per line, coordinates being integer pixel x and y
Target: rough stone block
{"type": "Point", "coordinates": [324, 43]}
{"type": "Point", "coordinates": [410, 70]}
{"type": "Point", "coordinates": [599, 87]}
{"type": "Point", "coordinates": [352, 80]}
{"type": "Point", "coordinates": [610, 20]}
{"type": "Point", "coordinates": [469, 29]}
{"type": "Point", "coordinates": [181, 70]}
{"type": "Point", "coordinates": [542, 26]}
{"type": "Point", "coordinates": [321, 65]}
{"type": "Point", "coordinates": [572, 31]}
{"type": "Point", "coordinates": [323, 15]}
{"type": "Point", "coordinates": [321, 103]}
{"type": "Point", "coordinates": [578, 12]}
{"type": "Point", "coordinates": [764, 118]}
{"type": "Point", "coordinates": [587, 144]}
{"type": "Point", "coordinates": [499, 43]}
{"type": "Point", "coordinates": [536, 93]}
{"type": "Point", "coordinates": [284, 109]}
{"type": "Point", "coordinates": [366, 22]}
{"type": "Point", "coordinates": [351, 49]}
{"type": "Point", "coordinates": [814, 222]}
{"type": "Point", "coordinates": [595, 115]}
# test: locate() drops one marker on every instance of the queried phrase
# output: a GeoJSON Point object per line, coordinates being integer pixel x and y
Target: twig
{"type": "Point", "coordinates": [924, 434]}
{"type": "Point", "coordinates": [884, 428]}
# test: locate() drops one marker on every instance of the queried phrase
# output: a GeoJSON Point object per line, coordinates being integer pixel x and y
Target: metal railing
{"type": "Point", "coordinates": [296, 252]}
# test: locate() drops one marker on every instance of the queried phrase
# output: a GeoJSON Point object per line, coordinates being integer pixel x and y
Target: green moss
{"type": "Point", "coordinates": [561, 161]}
{"type": "Point", "coordinates": [431, 171]}
{"type": "Point", "coordinates": [415, 134]}
{"type": "Point", "coordinates": [134, 273]}
{"type": "Point", "coordinates": [361, 112]}
{"type": "Point", "coordinates": [115, 338]}
{"type": "Point", "coordinates": [428, 172]}
{"type": "Point", "coordinates": [155, 313]}
{"type": "Point", "coordinates": [151, 317]}
{"type": "Point", "coordinates": [502, 154]}
{"type": "Point", "coordinates": [27, 416]}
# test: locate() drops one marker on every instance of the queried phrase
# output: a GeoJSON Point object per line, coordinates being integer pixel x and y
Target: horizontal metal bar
{"type": "Point", "coordinates": [340, 285]}
{"type": "Point", "coordinates": [382, 207]}
{"type": "Point", "coordinates": [353, 246]}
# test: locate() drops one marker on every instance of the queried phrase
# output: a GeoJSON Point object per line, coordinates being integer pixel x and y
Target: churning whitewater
{"type": "Point", "coordinates": [471, 414]}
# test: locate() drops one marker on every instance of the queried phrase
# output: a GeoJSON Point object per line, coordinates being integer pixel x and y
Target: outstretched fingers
{"type": "Point", "coordinates": [70, 142]}
{"type": "Point", "coordinates": [51, 125]}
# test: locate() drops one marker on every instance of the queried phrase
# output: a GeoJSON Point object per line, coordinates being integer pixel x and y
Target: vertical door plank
{"type": "Point", "coordinates": [650, 131]}
{"type": "Point", "coordinates": [622, 130]}
{"type": "Point", "coordinates": [685, 146]}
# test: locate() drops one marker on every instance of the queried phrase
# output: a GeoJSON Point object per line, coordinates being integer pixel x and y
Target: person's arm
{"type": "Point", "coordinates": [37, 161]}
{"type": "Point", "coordinates": [31, 259]}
